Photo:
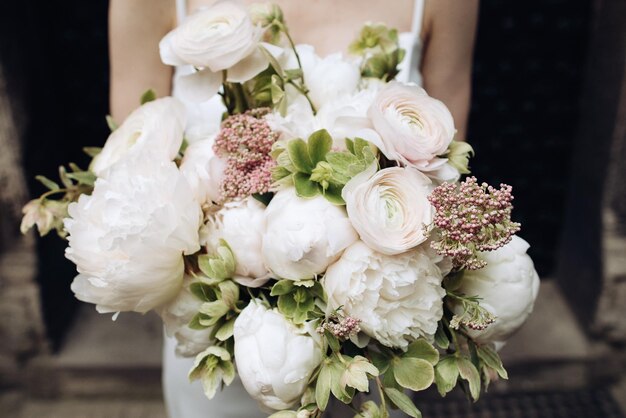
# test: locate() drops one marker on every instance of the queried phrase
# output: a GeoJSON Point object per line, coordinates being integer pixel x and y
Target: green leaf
{"type": "Point", "coordinates": [83, 177]}
{"type": "Point", "coordinates": [282, 287]}
{"type": "Point", "coordinates": [195, 322]}
{"type": "Point", "coordinates": [403, 402]}
{"type": "Point", "coordinates": [65, 180]}
{"type": "Point", "coordinates": [333, 342]}
{"type": "Point", "coordinates": [92, 151]}
{"type": "Point", "coordinates": [299, 155]}
{"type": "Point", "coordinates": [491, 358]}
{"type": "Point", "coordinates": [293, 74]}
{"type": "Point", "coordinates": [319, 144]}
{"type": "Point", "coordinates": [203, 291]}
{"type": "Point", "coordinates": [414, 373]}
{"type": "Point", "coordinates": [148, 96]}
{"type": "Point", "coordinates": [47, 182]}
{"type": "Point", "coordinates": [322, 387]}
{"type": "Point", "coordinates": [446, 375]}
{"type": "Point", "coordinates": [226, 330]}
{"type": "Point", "coordinates": [468, 372]}
{"type": "Point", "coordinates": [380, 361]}
{"type": "Point", "coordinates": [287, 305]}
{"type": "Point", "coordinates": [422, 349]}
{"type": "Point", "coordinates": [230, 293]}
{"type": "Point", "coordinates": [333, 195]}
{"type": "Point", "coordinates": [441, 338]}
{"type": "Point", "coordinates": [305, 188]}
{"type": "Point", "coordinates": [272, 60]}
{"type": "Point", "coordinates": [111, 123]}
{"type": "Point", "coordinates": [214, 309]}
{"type": "Point", "coordinates": [279, 172]}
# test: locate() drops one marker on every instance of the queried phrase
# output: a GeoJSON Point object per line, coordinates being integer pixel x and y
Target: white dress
{"type": "Point", "coordinates": [187, 400]}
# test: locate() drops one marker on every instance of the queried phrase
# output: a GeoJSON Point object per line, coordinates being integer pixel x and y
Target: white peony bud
{"type": "Point", "coordinates": [507, 288]}
{"type": "Point", "coordinates": [274, 358]}
{"type": "Point", "coordinates": [241, 224]}
{"type": "Point", "coordinates": [304, 236]}
{"type": "Point", "coordinates": [398, 298]}
{"type": "Point", "coordinates": [176, 316]}
{"type": "Point", "coordinates": [155, 128]}
{"type": "Point", "coordinates": [128, 237]}
{"type": "Point", "coordinates": [389, 208]}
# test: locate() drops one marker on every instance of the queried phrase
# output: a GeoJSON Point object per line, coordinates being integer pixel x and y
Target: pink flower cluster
{"type": "Point", "coordinates": [472, 218]}
{"type": "Point", "coordinates": [245, 142]}
{"type": "Point", "coordinates": [342, 328]}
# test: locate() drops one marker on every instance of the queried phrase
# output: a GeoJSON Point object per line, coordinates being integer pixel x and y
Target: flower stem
{"type": "Point", "coordinates": [381, 392]}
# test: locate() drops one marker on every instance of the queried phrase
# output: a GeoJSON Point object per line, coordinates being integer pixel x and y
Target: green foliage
{"type": "Point", "coordinates": [380, 48]}
{"type": "Point", "coordinates": [111, 123]}
{"type": "Point", "coordinates": [403, 402]}
{"type": "Point", "coordinates": [213, 366]}
{"type": "Point", "coordinates": [148, 96]}
{"type": "Point", "coordinates": [314, 169]}
{"type": "Point", "coordinates": [296, 300]}
{"type": "Point", "coordinates": [220, 266]}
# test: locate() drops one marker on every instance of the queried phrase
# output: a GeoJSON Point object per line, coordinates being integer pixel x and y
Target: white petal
{"type": "Point", "coordinates": [199, 86]}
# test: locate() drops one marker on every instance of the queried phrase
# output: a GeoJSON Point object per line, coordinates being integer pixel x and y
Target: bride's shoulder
{"type": "Point", "coordinates": [143, 15]}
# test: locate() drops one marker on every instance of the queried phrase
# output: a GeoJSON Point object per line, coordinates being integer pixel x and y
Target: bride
{"type": "Point", "coordinates": [438, 36]}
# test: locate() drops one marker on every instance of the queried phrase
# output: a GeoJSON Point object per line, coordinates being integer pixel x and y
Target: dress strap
{"type": "Point", "coordinates": [181, 10]}
{"type": "Point", "coordinates": [418, 17]}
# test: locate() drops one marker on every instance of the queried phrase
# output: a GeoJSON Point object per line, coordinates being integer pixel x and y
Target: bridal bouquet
{"type": "Point", "coordinates": [309, 232]}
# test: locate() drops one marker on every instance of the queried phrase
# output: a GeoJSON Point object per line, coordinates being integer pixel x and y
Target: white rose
{"type": "Point", "coordinates": [128, 237]}
{"type": "Point", "coordinates": [390, 208]}
{"type": "Point", "coordinates": [176, 316]}
{"type": "Point", "coordinates": [274, 358]}
{"type": "Point", "coordinates": [398, 298]}
{"type": "Point", "coordinates": [507, 286]}
{"type": "Point", "coordinates": [204, 171]}
{"type": "Point", "coordinates": [220, 37]}
{"type": "Point", "coordinates": [414, 127]}
{"type": "Point", "coordinates": [156, 128]}
{"type": "Point", "coordinates": [304, 236]}
{"type": "Point", "coordinates": [242, 225]}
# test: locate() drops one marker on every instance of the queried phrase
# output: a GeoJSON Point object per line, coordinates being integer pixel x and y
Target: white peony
{"type": "Point", "coordinates": [204, 171]}
{"type": "Point", "coordinates": [398, 298]}
{"type": "Point", "coordinates": [389, 208]}
{"type": "Point", "coordinates": [128, 237]}
{"type": "Point", "coordinates": [241, 224]}
{"type": "Point", "coordinates": [325, 77]}
{"type": "Point", "coordinates": [155, 128]}
{"type": "Point", "coordinates": [219, 37]}
{"type": "Point", "coordinates": [275, 358]}
{"type": "Point", "coordinates": [304, 236]}
{"type": "Point", "coordinates": [414, 128]}
{"type": "Point", "coordinates": [176, 316]}
{"type": "Point", "coordinates": [507, 287]}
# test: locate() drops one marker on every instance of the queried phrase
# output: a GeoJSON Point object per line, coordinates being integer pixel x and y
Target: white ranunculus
{"type": "Point", "coordinates": [274, 357]}
{"type": "Point", "coordinates": [507, 288]}
{"type": "Point", "coordinates": [220, 37]}
{"type": "Point", "coordinates": [176, 316]}
{"type": "Point", "coordinates": [204, 171]}
{"type": "Point", "coordinates": [398, 298]}
{"type": "Point", "coordinates": [155, 128]}
{"type": "Point", "coordinates": [390, 208]}
{"type": "Point", "coordinates": [304, 236]}
{"type": "Point", "coordinates": [241, 224]}
{"type": "Point", "coordinates": [128, 237]}
{"type": "Point", "coordinates": [414, 127]}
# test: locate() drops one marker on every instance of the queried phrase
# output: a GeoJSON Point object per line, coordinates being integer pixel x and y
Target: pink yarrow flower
{"type": "Point", "coordinates": [471, 218]}
{"type": "Point", "coordinates": [245, 142]}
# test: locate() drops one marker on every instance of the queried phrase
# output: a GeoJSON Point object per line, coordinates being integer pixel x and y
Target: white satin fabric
{"type": "Point", "coordinates": [187, 400]}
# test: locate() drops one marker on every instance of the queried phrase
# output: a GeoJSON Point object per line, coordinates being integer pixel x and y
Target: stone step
{"type": "Point", "coordinates": [102, 357]}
